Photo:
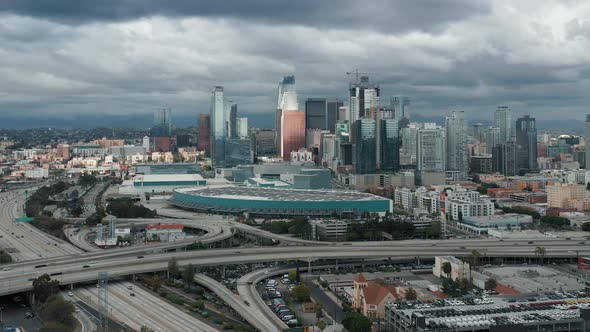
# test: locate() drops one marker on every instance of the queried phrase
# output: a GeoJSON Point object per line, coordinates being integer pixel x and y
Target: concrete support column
{"type": "Point", "coordinates": [336, 265]}
{"type": "Point", "coordinates": [223, 271]}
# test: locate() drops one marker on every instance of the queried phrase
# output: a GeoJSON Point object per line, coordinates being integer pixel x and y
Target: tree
{"type": "Point", "coordinates": [490, 284]}
{"type": "Point", "coordinates": [301, 293]}
{"type": "Point", "coordinates": [59, 310]}
{"type": "Point", "coordinates": [586, 225]}
{"type": "Point", "coordinates": [44, 287]}
{"type": "Point", "coordinates": [317, 308]}
{"type": "Point", "coordinates": [540, 252]}
{"type": "Point", "coordinates": [446, 268]}
{"type": "Point", "coordinates": [321, 325]}
{"type": "Point", "coordinates": [410, 294]}
{"type": "Point", "coordinates": [292, 275]}
{"type": "Point", "coordinates": [173, 270]}
{"type": "Point", "coordinates": [188, 275]}
{"type": "Point", "coordinates": [356, 322]}
{"type": "Point", "coordinates": [5, 257]}
{"type": "Point", "coordinates": [474, 257]}
{"type": "Point", "coordinates": [153, 282]}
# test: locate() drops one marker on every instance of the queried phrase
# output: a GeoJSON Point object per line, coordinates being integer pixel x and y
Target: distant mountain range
{"type": "Point", "coordinates": [262, 120]}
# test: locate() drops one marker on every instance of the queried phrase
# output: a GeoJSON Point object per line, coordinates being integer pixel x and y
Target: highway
{"type": "Point", "coordinates": [69, 269]}
{"type": "Point", "coordinates": [143, 309]}
{"type": "Point", "coordinates": [247, 289]}
{"type": "Point", "coordinates": [249, 312]}
{"type": "Point", "coordinates": [23, 241]}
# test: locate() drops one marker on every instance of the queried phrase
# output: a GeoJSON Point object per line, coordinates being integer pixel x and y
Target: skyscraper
{"type": "Point", "coordinates": [479, 132]}
{"type": "Point", "coordinates": [162, 123]}
{"type": "Point", "coordinates": [503, 120]}
{"type": "Point", "coordinates": [332, 114]}
{"type": "Point", "coordinates": [587, 141]}
{"type": "Point", "coordinates": [389, 145]}
{"type": "Point", "coordinates": [292, 125]}
{"type": "Point", "coordinates": [365, 146]}
{"type": "Point", "coordinates": [492, 138]}
{"type": "Point", "coordinates": [526, 141]}
{"type": "Point", "coordinates": [456, 144]}
{"type": "Point", "coordinates": [316, 113]}
{"type": "Point", "coordinates": [430, 149]}
{"type": "Point", "coordinates": [293, 132]}
{"type": "Point", "coordinates": [364, 100]}
{"type": "Point", "coordinates": [401, 107]}
{"type": "Point", "coordinates": [286, 87]}
{"type": "Point", "coordinates": [218, 127]}
{"type": "Point", "coordinates": [204, 138]}
{"type": "Point", "coordinates": [232, 122]}
{"type": "Point", "coordinates": [242, 128]}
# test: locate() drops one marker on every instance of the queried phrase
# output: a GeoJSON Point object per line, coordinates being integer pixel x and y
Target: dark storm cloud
{"type": "Point", "coordinates": [384, 15]}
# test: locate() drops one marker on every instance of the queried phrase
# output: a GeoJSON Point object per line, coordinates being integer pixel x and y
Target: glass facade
{"type": "Point", "coordinates": [526, 141]}
{"type": "Point", "coordinates": [390, 145]}
{"type": "Point", "coordinates": [366, 146]}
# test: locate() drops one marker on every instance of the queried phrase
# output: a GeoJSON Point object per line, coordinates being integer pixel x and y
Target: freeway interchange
{"type": "Point", "coordinates": [38, 253]}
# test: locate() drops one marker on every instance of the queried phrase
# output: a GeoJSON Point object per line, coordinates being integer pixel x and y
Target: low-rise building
{"type": "Point", "coordinates": [489, 314]}
{"type": "Point", "coordinates": [369, 297]}
{"type": "Point", "coordinates": [328, 230]}
{"type": "Point", "coordinates": [481, 225]}
{"type": "Point", "coordinates": [459, 269]}
{"type": "Point", "coordinates": [165, 232]}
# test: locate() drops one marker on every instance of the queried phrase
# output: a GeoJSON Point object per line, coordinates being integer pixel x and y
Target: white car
{"type": "Point", "coordinates": [70, 294]}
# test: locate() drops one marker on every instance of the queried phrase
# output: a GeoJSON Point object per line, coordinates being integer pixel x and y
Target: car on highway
{"type": "Point", "coordinates": [7, 269]}
{"type": "Point", "coordinates": [132, 294]}
{"type": "Point", "coordinates": [70, 294]}
{"type": "Point", "coordinates": [85, 266]}
{"type": "Point", "coordinates": [29, 314]}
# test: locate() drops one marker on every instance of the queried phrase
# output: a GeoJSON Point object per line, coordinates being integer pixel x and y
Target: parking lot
{"type": "Point", "coordinates": [14, 313]}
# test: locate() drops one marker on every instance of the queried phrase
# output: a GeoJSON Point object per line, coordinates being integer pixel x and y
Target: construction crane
{"type": "Point", "coordinates": [357, 74]}
{"type": "Point", "coordinates": [24, 218]}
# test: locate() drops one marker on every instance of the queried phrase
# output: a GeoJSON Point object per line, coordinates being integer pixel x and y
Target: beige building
{"type": "Point", "coordinates": [369, 297]}
{"type": "Point", "coordinates": [459, 269]}
{"type": "Point", "coordinates": [559, 194]}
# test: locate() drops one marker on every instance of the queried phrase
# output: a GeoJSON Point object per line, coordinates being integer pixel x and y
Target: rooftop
{"type": "Point", "coordinates": [273, 194]}
{"type": "Point", "coordinates": [491, 311]}
{"type": "Point", "coordinates": [167, 177]}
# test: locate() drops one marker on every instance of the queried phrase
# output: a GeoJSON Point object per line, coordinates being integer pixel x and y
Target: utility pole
{"type": "Point", "coordinates": [103, 304]}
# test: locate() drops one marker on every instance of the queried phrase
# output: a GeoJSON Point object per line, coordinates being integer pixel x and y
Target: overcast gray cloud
{"type": "Point", "coordinates": [132, 56]}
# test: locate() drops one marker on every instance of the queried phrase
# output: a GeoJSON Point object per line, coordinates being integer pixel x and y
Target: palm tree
{"type": "Point", "coordinates": [474, 257]}
{"type": "Point", "coordinates": [446, 268]}
{"type": "Point", "coordinates": [540, 252]}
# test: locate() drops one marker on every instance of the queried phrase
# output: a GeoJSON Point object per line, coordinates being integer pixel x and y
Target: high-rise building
{"type": "Point", "coordinates": [430, 149]}
{"type": "Point", "coordinates": [332, 115]}
{"type": "Point", "coordinates": [204, 138]}
{"type": "Point", "coordinates": [146, 142]}
{"type": "Point", "coordinates": [479, 133]}
{"type": "Point", "coordinates": [492, 138]}
{"type": "Point", "coordinates": [238, 151]}
{"type": "Point", "coordinates": [264, 142]}
{"type": "Point", "coordinates": [587, 141]}
{"type": "Point", "coordinates": [457, 152]}
{"type": "Point", "coordinates": [242, 127]}
{"type": "Point", "coordinates": [184, 140]}
{"type": "Point", "coordinates": [292, 125]}
{"type": "Point", "coordinates": [382, 113]}
{"type": "Point", "coordinates": [504, 158]}
{"type": "Point", "coordinates": [232, 121]}
{"type": "Point", "coordinates": [316, 113]}
{"type": "Point", "coordinates": [526, 141]}
{"type": "Point", "coordinates": [365, 146]}
{"type": "Point", "coordinates": [364, 100]}
{"type": "Point", "coordinates": [389, 142]}
{"type": "Point", "coordinates": [162, 144]}
{"type": "Point", "coordinates": [63, 151]}
{"type": "Point", "coordinates": [401, 106]}
{"type": "Point", "coordinates": [292, 132]}
{"type": "Point", "coordinates": [162, 123]}
{"type": "Point", "coordinates": [408, 144]}
{"type": "Point", "coordinates": [503, 120]}
{"type": "Point", "coordinates": [330, 149]}
{"type": "Point", "coordinates": [218, 127]}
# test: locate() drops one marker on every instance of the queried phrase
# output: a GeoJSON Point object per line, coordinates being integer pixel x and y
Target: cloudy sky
{"type": "Point", "coordinates": [79, 57]}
